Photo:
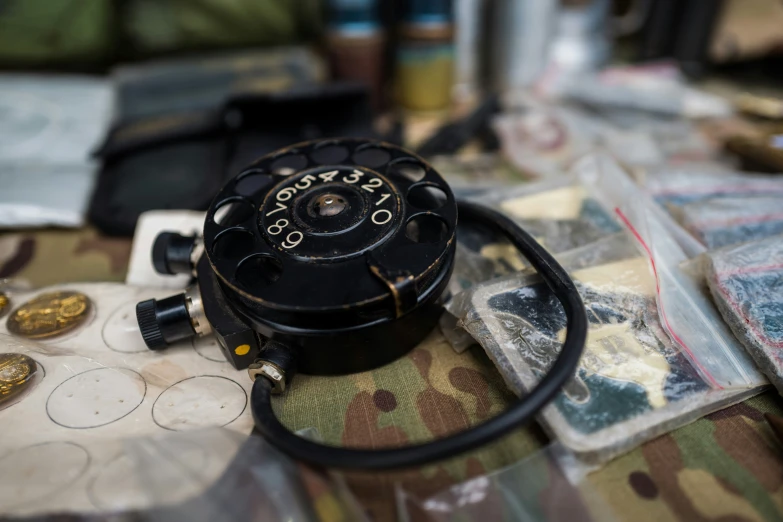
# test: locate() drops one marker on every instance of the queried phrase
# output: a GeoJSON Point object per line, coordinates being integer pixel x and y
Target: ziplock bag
{"type": "Point", "coordinates": [677, 186]}
{"type": "Point", "coordinates": [545, 140]}
{"type": "Point", "coordinates": [633, 382]}
{"type": "Point", "coordinates": [258, 483]}
{"type": "Point", "coordinates": [48, 128]}
{"type": "Point", "coordinates": [747, 284]}
{"type": "Point", "coordinates": [99, 383]}
{"type": "Point", "coordinates": [678, 140]}
{"type": "Point", "coordinates": [539, 488]}
{"type": "Point", "coordinates": [558, 213]}
{"type": "Point", "coordinates": [686, 314]}
{"type": "Point", "coordinates": [200, 475]}
{"type": "Point", "coordinates": [722, 222]}
{"type": "Point", "coordinates": [657, 88]}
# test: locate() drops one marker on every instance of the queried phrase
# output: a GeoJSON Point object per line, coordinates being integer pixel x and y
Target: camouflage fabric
{"type": "Point", "coordinates": [727, 466]}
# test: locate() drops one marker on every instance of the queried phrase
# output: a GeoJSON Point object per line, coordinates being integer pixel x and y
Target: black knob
{"type": "Point", "coordinates": [164, 322]}
{"type": "Point", "coordinates": [171, 253]}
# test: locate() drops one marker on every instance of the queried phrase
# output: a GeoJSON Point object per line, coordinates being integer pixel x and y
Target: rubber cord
{"type": "Point", "coordinates": [514, 417]}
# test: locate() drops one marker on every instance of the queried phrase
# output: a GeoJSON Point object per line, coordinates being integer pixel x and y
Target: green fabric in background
{"type": "Point", "coordinates": [40, 33]}
{"type": "Point", "coordinates": [94, 34]}
{"type": "Point", "coordinates": [156, 26]}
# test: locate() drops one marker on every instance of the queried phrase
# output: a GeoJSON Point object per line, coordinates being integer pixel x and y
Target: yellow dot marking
{"type": "Point", "coordinates": [242, 349]}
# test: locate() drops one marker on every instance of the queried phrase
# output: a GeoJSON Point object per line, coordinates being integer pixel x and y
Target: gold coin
{"type": "Point", "coordinates": [49, 315]}
{"type": "Point", "coordinates": [16, 371]}
{"type": "Point", "coordinates": [73, 306]}
{"type": "Point", "coordinates": [3, 303]}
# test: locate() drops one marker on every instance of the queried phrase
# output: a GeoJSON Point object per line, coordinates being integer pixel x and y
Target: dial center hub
{"type": "Point", "coordinates": [327, 205]}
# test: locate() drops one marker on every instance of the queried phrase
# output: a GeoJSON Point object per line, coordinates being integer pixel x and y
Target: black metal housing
{"type": "Point", "coordinates": [340, 249]}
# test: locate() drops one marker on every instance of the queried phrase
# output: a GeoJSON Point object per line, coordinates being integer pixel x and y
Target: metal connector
{"type": "Point", "coordinates": [196, 311]}
{"type": "Point", "coordinates": [196, 253]}
{"type": "Point", "coordinates": [269, 371]}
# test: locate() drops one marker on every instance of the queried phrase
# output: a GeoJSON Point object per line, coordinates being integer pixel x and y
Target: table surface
{"type": "Point", "coordinates": [728, 465]}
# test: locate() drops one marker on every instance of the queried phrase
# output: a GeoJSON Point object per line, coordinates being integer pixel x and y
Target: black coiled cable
{"type": "Point", "coordinates": [516, 416]}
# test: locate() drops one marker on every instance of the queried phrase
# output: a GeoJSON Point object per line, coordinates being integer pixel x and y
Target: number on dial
{"type": "Point", "coordinates": [373, 184]}
{"type": "Point", "coordinates": [381, 217]}
{"type": "Point", "coordinates": [292, 239]}
{"type": "Point", "coordinates": [277, 227]}
{"type": "Point", "coordinates": [280, 207]}
{"type": "Point", "coordinates": [328, 176]}
{"type": "Point", "coordinates": [353, 178]}
{"type": "Point", "coordinates": [286, 194]}
{"type": "Point", "coordinates": [305, 182]}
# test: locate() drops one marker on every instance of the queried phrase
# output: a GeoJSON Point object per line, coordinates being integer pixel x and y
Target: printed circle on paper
{"type": "Point", "coordinates": [208, 348]}
{"type": "Point", "coordinates": [41, 470]}
{"type": "Point", "coordinates": [121, 332]}
{"type": "Point", "coordinates": [199, 402]}
{"type": "Point", "coordinates": [96, 397]}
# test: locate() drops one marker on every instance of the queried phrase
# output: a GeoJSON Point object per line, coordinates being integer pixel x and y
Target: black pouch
{"type": "Point", "coordinates": [180, 160]}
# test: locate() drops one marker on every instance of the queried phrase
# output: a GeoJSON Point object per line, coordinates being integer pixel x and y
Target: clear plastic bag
{"type": "Point", "coordinates": [747, 284]}
{"type": "Point", "coordinates": [470, 268]}
{"type": "Point", "coordinates": [633, 381]}
{"type": "Point", "coordinates": [476, 172]}
{"type": "Point", "coordinates": [728, 221]}
{"type": "Point", "coordinates": [544, 140]}
{"type": "Point", "coordinates": [231, 477]}
{"type": "Point", "coordinates": [51, 124]}
{"type": "Point", "coordinates": [687, 316]}
{"type": "Point", "coordinates": [559, 213]}
{"type": "Point", "coordinates": [540, 488]}
{"type": "Point", "coordinates": [93, 435]}
{"type": "Point", "coordinates": [678, 186]}
{"type": "Point", "coordinates": [678, 140]}
{"type": "Point", "coordinates": [656, 88]}
{"type": "Point", "coordinates": [99, 383]}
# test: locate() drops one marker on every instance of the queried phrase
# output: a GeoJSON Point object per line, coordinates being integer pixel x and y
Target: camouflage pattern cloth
{"type": "Point", "coordinates": [727, 466]}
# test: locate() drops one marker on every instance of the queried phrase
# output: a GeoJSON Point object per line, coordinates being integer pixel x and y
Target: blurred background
{"type": "Point", "coordinates": [102, 101]}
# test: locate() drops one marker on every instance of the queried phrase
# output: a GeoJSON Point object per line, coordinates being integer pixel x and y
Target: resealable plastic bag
{"type": "Point", "coordinates": [686, 314]}
{"type": "Point", "coordinates": [633, 382]}
{"type": "Point", "coordinates": [747, 284]}
{"type": "Point", "coordinates": [544, 140]}
{"type": "Point", "coordinates": [560, 214]}
{"type": "Point", "coordinates": [544, 487]}
{"type": "Point", "coordinates": [557, 212]}
{"type": "Point", "coordinates": [728, 221]}
{"type": "Point", "coordinates": [93, 431]}
{"type": "Point", "coordinates": [100, 383]}
{"type": "Point", "coordinates": [678, 186]}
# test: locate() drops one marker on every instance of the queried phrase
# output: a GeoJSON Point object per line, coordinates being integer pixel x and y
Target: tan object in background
{"type": "Point", "coordinates": [765, 106]}
{"type": "Point", "coordinates": [425, 63]}
{"type": "Point", "coordinates": [747, 29]}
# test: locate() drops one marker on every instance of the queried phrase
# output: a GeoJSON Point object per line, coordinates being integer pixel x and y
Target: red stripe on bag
{"type": "Point", "coordinates": [668, 326]}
